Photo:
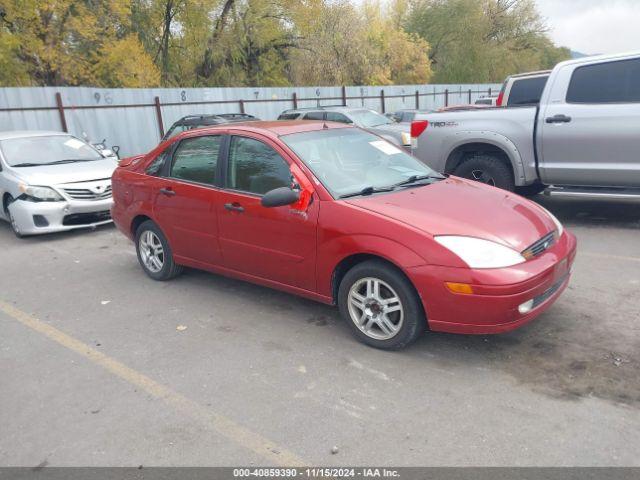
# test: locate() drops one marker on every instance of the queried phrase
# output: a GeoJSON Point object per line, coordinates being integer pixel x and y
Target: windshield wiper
{"type": "Point", "coordinates": [416, 178]}
{"type": "Point", "coordinates": [70, 160]}
{"type": "Point", "coordinates": [367, 191]}
{"type": "Point", "coordinates": [27, 165]}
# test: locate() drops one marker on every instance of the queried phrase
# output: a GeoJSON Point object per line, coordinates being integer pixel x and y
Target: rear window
{"type": "Point", "coordinates": [612, 82]}
{"type": "Point", "coordinates": [314, 116]}
{"type": "Point", "coordinates": [527, 91]}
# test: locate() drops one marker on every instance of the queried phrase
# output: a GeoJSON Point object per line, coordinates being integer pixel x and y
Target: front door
{"type": "Point", "coordinates": [591, 137]}
{"type": "Point", "coordinates": [186, 198]}
{"type": "Point", "coordinates": [278, 243]}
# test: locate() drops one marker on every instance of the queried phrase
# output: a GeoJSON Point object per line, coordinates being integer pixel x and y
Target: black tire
{"type": "Point", "coordinates": [12, 223]}
{"type": "Point", "coordinates": [413, 323]}
{"type": "Point", "coordinates": [169, 268]}
{"type": "Point", "coordinates": [531, 190]}
{"type": "Point", "coordinates": [487, 169]}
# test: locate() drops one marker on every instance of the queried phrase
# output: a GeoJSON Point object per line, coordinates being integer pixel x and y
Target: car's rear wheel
{"type": "Point", "coordinates": [487, 169]}
{"type": "Point", "coordinates": [154, 253]}
{"type": "Point", "coordinates": [381, 306]}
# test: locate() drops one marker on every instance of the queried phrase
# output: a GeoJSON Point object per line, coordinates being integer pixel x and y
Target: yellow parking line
{"type": "Point", "coordinates": [224, 426]}
{"type": "Point", "coordinates": [609, 256]}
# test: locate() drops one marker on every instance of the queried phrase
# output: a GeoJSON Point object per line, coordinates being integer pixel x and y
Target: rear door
{"type": "Point", "coordinates": [590, 126]}
{"type": "Point", "coordinates": [186, 198]}
{"type": "Point", "coordinates": [277, 244]}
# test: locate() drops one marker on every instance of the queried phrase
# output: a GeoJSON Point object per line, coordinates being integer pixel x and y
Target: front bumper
{"type": "Point", "coordinates": [34, 218]}
{"type": "Point", "coordinates": [493, 307]}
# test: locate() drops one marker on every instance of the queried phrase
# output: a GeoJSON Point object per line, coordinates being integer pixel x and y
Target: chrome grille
{"type": "Point", "coordinates": [86, 194]}
{"type": "Point", "coordinates": [540, 246]}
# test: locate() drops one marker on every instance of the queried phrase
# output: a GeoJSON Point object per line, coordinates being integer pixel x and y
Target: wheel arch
{"type": "Point", "coordinates": [487, 143]}
{"type": "Point", "coordinates": [137, 221]}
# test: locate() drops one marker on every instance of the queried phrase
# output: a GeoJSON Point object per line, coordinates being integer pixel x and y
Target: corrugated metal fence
{"type": "Point", "coordinates": [134, 119]}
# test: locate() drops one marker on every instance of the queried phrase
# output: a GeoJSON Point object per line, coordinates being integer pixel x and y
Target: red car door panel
{"type": "Point", "coordinates": [278, 243]}
{"type": "Point", "coordinates": [186, 199]}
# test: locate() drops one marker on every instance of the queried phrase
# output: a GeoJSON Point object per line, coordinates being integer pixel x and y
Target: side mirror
{"type": "Point", "coordinates": [279, 197]}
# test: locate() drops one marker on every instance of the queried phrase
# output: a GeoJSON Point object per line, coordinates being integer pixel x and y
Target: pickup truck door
{"type": "Point", "coordinates": [589, 125]}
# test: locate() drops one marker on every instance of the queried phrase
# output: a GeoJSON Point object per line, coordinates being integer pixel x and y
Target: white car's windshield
{"type": "Point", "coordinates": [46, 150]}
{"type": "Point", "coordinates": [349, 161]}
{"type": "Point", "coordinates": [368, 118]}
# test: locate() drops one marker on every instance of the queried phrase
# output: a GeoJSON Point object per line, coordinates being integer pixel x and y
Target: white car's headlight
{"type": "Point", "coordinates": [559, 226]}
{"type": "Point", "coordinates": [406, 138]}
{"type": "Point", "coordinates": [43, 194]}
{"type": "Point", "coordinates": [479, 253]}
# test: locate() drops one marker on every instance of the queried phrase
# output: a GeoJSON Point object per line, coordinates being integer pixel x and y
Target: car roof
{"type": "Point", "coordinates": [28, 133]}
{"type": "Point", "coordinates": [274, 128]}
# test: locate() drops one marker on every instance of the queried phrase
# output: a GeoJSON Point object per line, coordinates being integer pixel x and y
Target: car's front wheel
{"type": "Point", "coordinates": [487, 169]}
{"type": "Point", "coordinates": [381, 306]}
{"type": "Point", "coordinates": [154, 253]}
{"type": "Point", "coordinates": [15, 228]}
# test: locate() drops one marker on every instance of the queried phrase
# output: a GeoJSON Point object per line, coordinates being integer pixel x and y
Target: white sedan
{"type": "Point", "coordinates": [52, 181]}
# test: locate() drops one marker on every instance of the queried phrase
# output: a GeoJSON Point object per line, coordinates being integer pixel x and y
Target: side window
{"type": "Point", "coordinates": [155, 168]}
{"type": "Point", "coordinates": [314, 116]}
{"type": "Point", "coordinates": [337, 117]}
{"type": "Point", "coordinates": [288, 116]}
{"type": "Point", "coordinates": [527, 91]}
{"type": "Point", "coordinates": [611, 82]}
{"type": "Point", "coordinates": [196, 159]}
{"type": "Point", "coordinates": [256, 167]}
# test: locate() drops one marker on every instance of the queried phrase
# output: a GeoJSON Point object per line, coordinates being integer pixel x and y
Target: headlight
{"type": "Point", "coordinates": [406, 138]}
{"type": "Point", "coordinates": [40, 194]}
{"type": "Point", "coordinates": [479, 253]}
{"type": "Point", "coordinates": [559, 226]}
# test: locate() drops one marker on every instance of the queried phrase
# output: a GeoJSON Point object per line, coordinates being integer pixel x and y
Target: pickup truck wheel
{"type": "Point", "coordinates": [487, 169]}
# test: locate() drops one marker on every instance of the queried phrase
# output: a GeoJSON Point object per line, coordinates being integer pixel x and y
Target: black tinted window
{"type": "Point", "coordinates": [288, 116]}
{"type": "Point", "coordinates": [337, 117]}
{"type": "Point", "coordinates": [256, 167]}
{"type": "Point", "coordinates": [314, 116]}
{"type": "Point", "coordinates": [196, 159]}
{"type": "Point", "coordinates": [613, 82]}
{"type": "Point", "coordinates": [527, 91]}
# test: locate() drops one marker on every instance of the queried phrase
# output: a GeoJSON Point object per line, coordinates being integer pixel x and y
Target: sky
{"type": "Point", "coordinates": [593, 26]}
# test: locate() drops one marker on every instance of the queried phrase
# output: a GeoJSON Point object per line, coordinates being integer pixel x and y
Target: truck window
{"type": "Point", "coordinates": [611, 82]}
{"type": "Point", "coordinates": [526, 91]}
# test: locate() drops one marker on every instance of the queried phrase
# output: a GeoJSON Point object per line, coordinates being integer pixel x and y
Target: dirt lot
{"type": "Point", "coordinates": [94, 370]}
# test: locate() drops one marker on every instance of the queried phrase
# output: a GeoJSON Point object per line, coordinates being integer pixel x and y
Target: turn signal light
{"type": "Point", "coordinates": [463, 288]}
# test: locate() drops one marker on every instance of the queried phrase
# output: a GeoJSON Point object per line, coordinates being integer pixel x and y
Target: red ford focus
{"type": "Point", "coordinates": [338, 215]}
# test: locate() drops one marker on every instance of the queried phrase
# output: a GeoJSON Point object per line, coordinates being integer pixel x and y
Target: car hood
{"type": "Point", "coordinates": [461, 207]}
{"type": "Point", "coordinates": [67, 172]}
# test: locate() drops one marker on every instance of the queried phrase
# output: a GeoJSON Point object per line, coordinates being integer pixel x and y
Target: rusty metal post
{"type": "Point", "coordinates": [241, 103]}
{"type": "Point", "coordinates": [382, 100]}
{"type": "Point", "coordinates": [159, 116]}
{"type": "Point", "coordinates": [417, 100]}
{"type": "Point", "coordinates": [344, 96]}
{"type": "Point", "coordinates": [446, 97]}
{"type": "Point", "coordinates": [63, 120]}
{"type": "Point", "coordinates": [295, 100]}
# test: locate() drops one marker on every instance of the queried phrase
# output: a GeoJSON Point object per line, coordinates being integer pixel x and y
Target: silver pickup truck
{"type": "Point", "coordinates": [584, 136]}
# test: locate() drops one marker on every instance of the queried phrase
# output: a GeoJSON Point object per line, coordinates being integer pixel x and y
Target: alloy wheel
{"type": "Point", "coordinates": [151, 251]}
{"type": "Point", "coordinates": [375, 308]}
{"type": "Point", "coordinates": [483, 177]}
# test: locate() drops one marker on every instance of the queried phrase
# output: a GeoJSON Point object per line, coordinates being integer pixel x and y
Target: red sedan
{"type": "Point", "coordinates": [338, 215]}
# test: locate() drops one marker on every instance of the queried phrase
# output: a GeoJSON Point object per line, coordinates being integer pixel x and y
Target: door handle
{"type": "Point", "coordinates": [234, 207]}
{"type": "Point", "coordinates": [558, 119]}
{"type": "Point", "coordinates": [167, 191]}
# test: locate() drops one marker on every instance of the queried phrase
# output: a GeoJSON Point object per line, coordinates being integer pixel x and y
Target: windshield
{"type": "Point", "coordinates": [349, 160]}
{"type": "Point", "coordinates": [46, 150]}
{"type": "Point", "coordinates": [369, 118]}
